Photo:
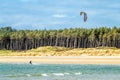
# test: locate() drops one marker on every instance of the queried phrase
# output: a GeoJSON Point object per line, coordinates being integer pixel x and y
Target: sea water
{"type": "Point", "coordinates": [59, 72]}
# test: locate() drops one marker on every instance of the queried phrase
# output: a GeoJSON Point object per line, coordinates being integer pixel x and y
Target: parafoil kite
{"type": "Point", "coordinates": [85, 15]}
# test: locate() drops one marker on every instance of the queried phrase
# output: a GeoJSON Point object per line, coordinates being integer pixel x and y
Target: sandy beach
{"type": "Point", "coordinates": [61, 59]}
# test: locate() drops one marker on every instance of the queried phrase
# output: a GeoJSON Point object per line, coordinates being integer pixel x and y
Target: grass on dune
{"type": "Point", "coordinates": [62, 51]}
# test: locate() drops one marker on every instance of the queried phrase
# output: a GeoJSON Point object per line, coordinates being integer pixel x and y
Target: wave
{"type": "Point", "coordinates": [58, 74]}
{"type": "Point", "coordinates": [36, 64]}
{"type": "Point", "coordinates": [66, 73]}
{"type": "Point", "coordinates": [79, 73]}
{"type": "Point", "coordinates": [44, 74]}
{"type": "Point", "coordinates": [28, 75]}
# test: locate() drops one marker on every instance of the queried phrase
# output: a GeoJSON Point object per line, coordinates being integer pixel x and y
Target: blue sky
{"type": "Point", "coordinates": [59, 14]}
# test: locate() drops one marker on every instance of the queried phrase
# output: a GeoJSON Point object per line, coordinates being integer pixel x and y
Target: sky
{"type": "Point", "coordinates": [59, 14]}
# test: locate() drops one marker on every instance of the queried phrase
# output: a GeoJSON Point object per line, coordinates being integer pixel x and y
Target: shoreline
{"type": "Point", "coordinates": [61, 59]}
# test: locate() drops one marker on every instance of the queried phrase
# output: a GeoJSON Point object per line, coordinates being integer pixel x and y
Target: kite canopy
{"type": "Point", "coordinates": [85, 15]}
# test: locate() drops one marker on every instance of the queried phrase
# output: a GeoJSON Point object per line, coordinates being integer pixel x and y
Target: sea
{"type": "Point", "coordinates": [58, 72]}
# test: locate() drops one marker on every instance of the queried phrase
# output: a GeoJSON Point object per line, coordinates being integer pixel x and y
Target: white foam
{"type": "Point", "coordinates": [58, 74]}
{"type": "Point", "coordinates": [28, 75]}
{"type": "Point", "coordinates": [44, 74]}
{"type": "Point", "coordinates": [66, 73]}
{"type": "Point", "coordinates": [35, 64]}
{"type": "Point", "coordinates": [79, 73]}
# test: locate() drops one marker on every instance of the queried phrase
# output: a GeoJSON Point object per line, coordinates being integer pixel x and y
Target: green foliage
{"type": "Point", "coordinates": [72, 37]}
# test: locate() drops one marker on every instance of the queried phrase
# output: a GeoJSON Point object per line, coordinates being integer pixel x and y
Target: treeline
{"type": "Point", "coordinates": [12, 39]}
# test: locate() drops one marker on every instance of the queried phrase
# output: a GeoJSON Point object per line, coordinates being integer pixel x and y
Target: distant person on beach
{"type": "Point", "coordinates": [30, 62]}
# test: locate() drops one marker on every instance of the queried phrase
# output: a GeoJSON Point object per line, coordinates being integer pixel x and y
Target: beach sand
{"type": "Point", "coordinates": [61, 59]}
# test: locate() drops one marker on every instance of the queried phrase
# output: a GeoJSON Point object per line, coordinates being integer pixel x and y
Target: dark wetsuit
{"type": "Point", "coordinates": [30, 62]}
